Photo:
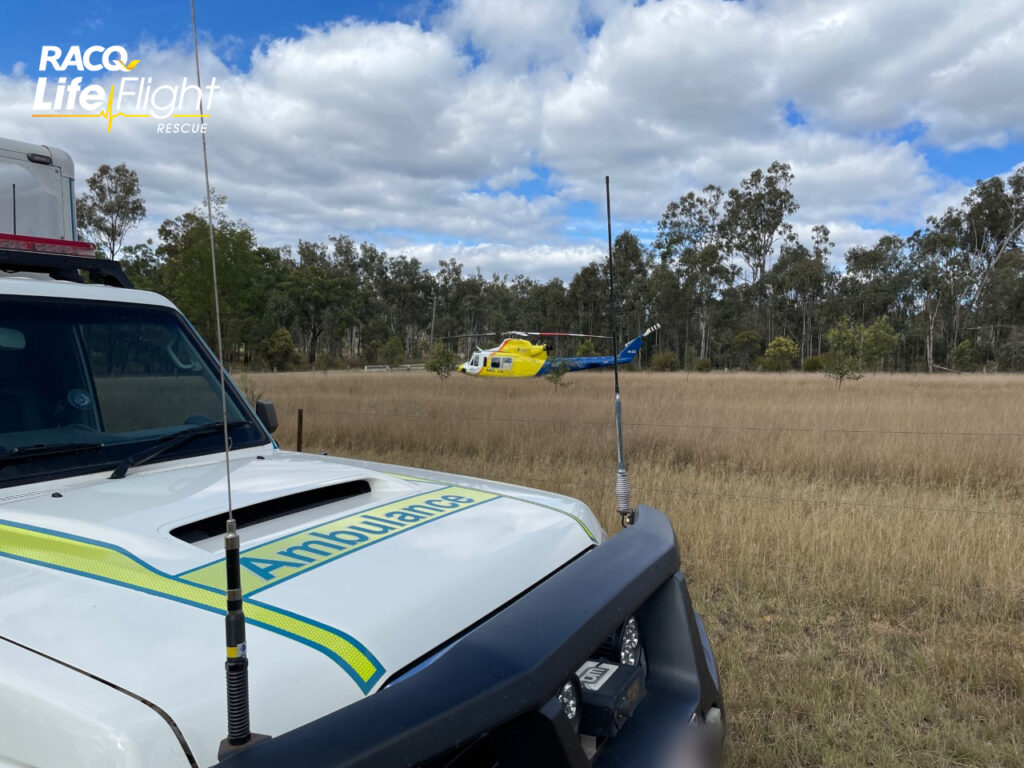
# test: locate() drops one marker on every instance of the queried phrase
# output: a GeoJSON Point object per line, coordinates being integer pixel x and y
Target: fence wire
{"type": "Point", "coordinates": [681, 426]}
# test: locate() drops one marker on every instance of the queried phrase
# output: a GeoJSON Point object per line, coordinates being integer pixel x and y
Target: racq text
{"type": "Point", "coordinates": [181, 127]}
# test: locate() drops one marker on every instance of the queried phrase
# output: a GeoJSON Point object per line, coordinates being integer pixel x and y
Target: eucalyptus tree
{"type": "Point", "coordinates": [956, 256]}
{"type": "Point", "coordinates": [802, 277]}
{"type": "Point", "coordinates": [632, 262]}
{"type": "Point", "coordinates": [550, 303]}
{"type": "Point", "coordinates": [313, 288]}
{"type": "Point", "coordinates": [1001, 307]}
{"type": "Point", "coordinates": [690, 239]}
{"type": "Point", "coordinates": [982, 231]}
{"type": "Point", "coordinates": [409, 290]}
{"type": "Point", "coordinates": [350, 300]}
{"type": "Point", "coordinates": [247, 275]}
{"type": "Point", "coordinates": [111, 207]}
{"type": "Point", "coordinates": [928, 255]}
{"type": "Point", "coordinates": [143, 266]}
{"type": "Point", "coordinates": [755, 216]}
{"type": "Point", "coordinates": [588, 299]}
{"type": "Point", "coordinates": [877, 278]}
{"type": "Point", "coordinates": [671, 305]}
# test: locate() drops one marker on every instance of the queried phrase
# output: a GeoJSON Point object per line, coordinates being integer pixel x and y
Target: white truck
{"type": "Point", "coordinates": [395, 616]}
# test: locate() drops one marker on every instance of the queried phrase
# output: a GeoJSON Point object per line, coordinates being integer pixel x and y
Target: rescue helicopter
{"type": "Point", "coordinates": [518, 357]}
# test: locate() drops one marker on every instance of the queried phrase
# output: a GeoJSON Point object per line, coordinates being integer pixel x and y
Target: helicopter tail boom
{"type": "Point", "coordinates": [625, 357]}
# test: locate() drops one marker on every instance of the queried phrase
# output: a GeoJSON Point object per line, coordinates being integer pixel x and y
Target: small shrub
{"type": "Point", "coordinates": [557, 375]}
{"type": "Point", "coordinates": [843, 361]}
{"type": "Point", "coordinates": [442, 361]}
{"type": "Point", "coordinates": [664, 361]}
{"type": "Point", "coordinates": [780, 354]}
{"type": "Point", "coordinates": [279, 350]}
{"type": "Point", "coordinates": [744, 346]}
{"type": "Point", "coordinates": [966, 357]}
{"type": "Point", "coordinates": [703, 365]}
{"type": "Point", "coordinates": [813, 364]}
{"type": "Point", "coordinates": [392, 352]}
{"type": "Point", "coordinates": [879, 341]}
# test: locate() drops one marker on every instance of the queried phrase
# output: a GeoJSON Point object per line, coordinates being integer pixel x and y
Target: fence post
{"type": "Point", "coordinates": [298, 432]}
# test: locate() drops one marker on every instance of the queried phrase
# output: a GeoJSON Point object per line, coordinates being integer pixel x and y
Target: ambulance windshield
{"type": "Point", "coordinates": [85, 384]}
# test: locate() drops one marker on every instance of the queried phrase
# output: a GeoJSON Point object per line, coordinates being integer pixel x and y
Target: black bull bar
{"type": "Point", "coordinates": [498, 681]}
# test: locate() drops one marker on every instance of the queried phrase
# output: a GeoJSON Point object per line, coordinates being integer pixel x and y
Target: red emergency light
{"type": "Point", "coordinates": [46, 245]}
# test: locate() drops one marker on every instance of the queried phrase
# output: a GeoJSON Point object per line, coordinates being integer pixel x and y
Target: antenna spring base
{"type": "Point", "coordinates": [238, 700]}
{"type": "Point", "coordinates": [622, 494]}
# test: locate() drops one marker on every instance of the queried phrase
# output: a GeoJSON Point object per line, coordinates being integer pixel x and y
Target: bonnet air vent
{"type": "Point", "coordinates": [209, 527]}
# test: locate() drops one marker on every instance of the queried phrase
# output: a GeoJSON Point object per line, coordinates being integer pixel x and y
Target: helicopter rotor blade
{"type": "Point", "coordinates": [467, 335]}
{"type": "Point", "coordinates": [557, 333]}
{"type": "Point", "coordinates": [574, 335]}
{"type": "Point", "coordinates": [522, 334]}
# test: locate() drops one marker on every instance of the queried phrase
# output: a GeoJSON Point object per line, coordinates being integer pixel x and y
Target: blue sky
{"type": "Point", "coordinates": [29, 25]}
{"type": "Point", "coordinates": [482, 131]}
{"type": "Point", "coordinates": [968, 166]}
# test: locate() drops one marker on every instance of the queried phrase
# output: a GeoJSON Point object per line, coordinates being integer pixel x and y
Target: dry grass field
{"type": "Point", "coordinates": [856, 554]}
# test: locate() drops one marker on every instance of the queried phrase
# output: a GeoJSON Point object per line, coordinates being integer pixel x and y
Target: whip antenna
{"type": "Point", "coordinates": [622, 490]}
{"type": "Point", "coordinates": [236, 664]}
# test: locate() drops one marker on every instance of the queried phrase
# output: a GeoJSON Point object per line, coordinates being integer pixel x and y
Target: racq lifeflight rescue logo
{"type": "Point", "coordinates": [177, 107]}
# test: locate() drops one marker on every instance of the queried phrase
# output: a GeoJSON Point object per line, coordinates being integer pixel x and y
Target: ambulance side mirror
{"type": "Point", "coordinates": [267, 414]}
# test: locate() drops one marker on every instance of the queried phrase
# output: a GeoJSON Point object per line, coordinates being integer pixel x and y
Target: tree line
{"type": "Point", "coordinates": [727, 276]}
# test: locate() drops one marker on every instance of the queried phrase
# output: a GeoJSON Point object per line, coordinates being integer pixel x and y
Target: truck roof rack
{"type": "Point", "coordinates": [57, 259]}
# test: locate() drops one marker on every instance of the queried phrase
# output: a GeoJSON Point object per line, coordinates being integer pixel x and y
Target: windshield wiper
{"type": "Point", "coordinates": [170, 442]}
{"type": "Point", "coordinates": [45, 449]}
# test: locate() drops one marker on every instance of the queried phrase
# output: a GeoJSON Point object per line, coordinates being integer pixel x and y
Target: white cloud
{"type": "Point", "coordinates": [518, 36]}
{"type": "Point", "coordinates": [541, 262]}
{"type": "Point", "coordinates": [876, 66]}
{"type": "Point", "coordinates": [413, 135]}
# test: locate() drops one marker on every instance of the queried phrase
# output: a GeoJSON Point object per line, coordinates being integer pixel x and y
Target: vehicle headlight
{"type": "Point", "coordinates": [569, 698]}
{"type": "Point", "coordinates": [629, 642]}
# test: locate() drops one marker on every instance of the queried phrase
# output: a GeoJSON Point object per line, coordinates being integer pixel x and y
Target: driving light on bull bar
{"type": "Point", "coordinates": [629, 642]}
{"type": "Point", "coordinates": [569, 698]}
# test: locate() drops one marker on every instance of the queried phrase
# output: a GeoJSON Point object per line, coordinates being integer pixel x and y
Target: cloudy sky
{"type": "Point", "coordinates": [483, 129]}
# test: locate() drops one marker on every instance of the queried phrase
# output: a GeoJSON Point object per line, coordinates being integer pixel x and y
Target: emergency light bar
{"type": "Point", "coordinates": [46, 245]}
{"type": "Point", "coordinates": [60, 259]}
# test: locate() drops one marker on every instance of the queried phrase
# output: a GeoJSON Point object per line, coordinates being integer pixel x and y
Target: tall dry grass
{"type": "Point", "coordinates": [856, 553]}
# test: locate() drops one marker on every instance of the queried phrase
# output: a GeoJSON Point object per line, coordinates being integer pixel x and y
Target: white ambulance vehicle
{"type": "Point", "coordinates": [395, 616]}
